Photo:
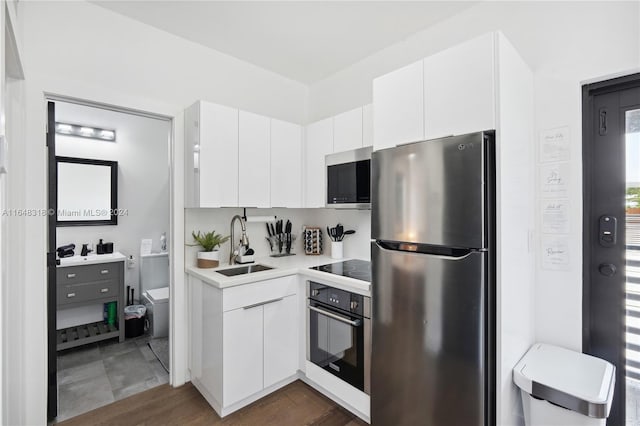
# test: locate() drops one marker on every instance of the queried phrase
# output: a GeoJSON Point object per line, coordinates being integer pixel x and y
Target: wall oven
{"type": "Point", "coordinates": [340, 333]}
{"type": "Point", "coordinates": [349, 179]}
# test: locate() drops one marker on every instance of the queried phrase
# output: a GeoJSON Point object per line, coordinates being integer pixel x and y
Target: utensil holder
{"type": "Point", "coordinates": [336, 249]}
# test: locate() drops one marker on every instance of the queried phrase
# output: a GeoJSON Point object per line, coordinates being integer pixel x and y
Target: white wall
{"type": "Point", "coordinates": [142, 153]}
{"type": "Point", "coordinates": [81, 41]}
{"type": "Point", "coordinates": [355, 246]}
{"type": "Point", "coordinates": [81, 50]}
{"type": "Point", "coordinates": [564, 43]}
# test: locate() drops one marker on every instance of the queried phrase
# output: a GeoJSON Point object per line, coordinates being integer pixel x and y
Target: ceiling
{"type": "Point", "coordinates": [302, 40]}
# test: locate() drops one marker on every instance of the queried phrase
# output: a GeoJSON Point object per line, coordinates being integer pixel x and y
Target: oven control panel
{"type": "Point", "coordinates": [341, 299]}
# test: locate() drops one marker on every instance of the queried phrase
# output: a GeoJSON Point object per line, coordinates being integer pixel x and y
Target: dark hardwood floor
{"type": "Point", "coordinates": [296, 404]}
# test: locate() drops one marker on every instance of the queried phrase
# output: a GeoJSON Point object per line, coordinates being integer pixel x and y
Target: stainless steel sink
{"type": "Point", "coordinates": [241, 270]}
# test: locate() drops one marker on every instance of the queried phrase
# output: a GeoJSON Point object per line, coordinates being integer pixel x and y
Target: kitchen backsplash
{"type": "Point", "coordinates": [356, 246]}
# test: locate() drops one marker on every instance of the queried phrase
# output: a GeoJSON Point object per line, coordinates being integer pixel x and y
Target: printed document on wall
{"type": "Point", "coordinates": [555, 216]}
{"type": "Point", "coordinates": [554, 180]}
{"type": "Point", "coordinates": [555, 253]}
{"type": "Point", "coordinates": [555, 145]}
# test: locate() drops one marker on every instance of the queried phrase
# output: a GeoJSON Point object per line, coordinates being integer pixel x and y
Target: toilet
{"type": "Point", "coordinates": [154, 285]}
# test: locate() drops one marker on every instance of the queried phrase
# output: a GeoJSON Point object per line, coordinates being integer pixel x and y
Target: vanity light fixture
{"type": "Point", "coordinates": [86, 132]}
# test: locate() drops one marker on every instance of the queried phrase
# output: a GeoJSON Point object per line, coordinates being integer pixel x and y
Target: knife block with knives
{"type": "Point", "coordinates": [280, 238]}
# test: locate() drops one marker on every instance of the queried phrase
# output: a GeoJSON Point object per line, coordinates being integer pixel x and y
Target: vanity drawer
{"type": "Point", "coordinates": [74, 293]}
{"type": "Point", "coordinates": [88, 273]}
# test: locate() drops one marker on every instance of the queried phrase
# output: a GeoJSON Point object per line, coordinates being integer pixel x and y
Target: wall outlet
{"type": "Point", "coordinates": [131, 262]}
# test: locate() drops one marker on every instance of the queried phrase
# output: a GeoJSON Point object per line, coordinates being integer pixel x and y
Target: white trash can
{"type": "Point", "coordinates": [564, 387]}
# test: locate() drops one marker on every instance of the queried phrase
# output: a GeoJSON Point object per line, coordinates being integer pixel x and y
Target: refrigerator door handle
{"type": "Point", "coordinates": [425, 249]}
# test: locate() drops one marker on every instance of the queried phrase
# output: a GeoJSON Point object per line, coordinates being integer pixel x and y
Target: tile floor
{"type": "Point", "coordinates": [98, 374]}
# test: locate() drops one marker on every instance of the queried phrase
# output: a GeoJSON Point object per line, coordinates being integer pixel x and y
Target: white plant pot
{"type": "Point", "coordinates": [208, 259]}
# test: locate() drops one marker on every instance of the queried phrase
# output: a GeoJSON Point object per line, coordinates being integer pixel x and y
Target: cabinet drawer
{"type": "Point", "coordinates": [74, 293]}
{"type": "Point", "coordinates": [259, 292]}
{"type": "Point", "coordinates": [88, 273]}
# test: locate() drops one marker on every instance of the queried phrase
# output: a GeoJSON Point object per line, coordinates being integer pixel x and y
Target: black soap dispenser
{"type": "Point", "coordinates": [100, 248]}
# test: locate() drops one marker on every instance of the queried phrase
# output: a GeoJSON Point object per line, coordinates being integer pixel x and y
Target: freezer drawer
{"type": "Point", "coordinates": [434, 192]}
{"type": "Point", "coordinates": [428, 339]}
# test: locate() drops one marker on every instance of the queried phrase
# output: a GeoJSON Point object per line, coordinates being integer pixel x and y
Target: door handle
{"type": "Point", "coordinates": [608, 269]}
{"type": "Point", "coordinates": [354, 323]}
{"type": "Point", "coordinates": [104, 290]}
{"type": "Point", "coordinates": [104, 271]}
{"type": "Point", "coordinates": [70, 295]}
{"type": "Point", "coordinates": [71, 275]}
{"type": "Point", "coordinates": [262, 303]}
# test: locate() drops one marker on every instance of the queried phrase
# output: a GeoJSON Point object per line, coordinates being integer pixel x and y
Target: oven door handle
{"type": "Point", "coordinates": [355, 323]}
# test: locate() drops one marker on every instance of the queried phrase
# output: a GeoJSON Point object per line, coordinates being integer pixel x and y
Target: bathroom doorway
{"type": "Point", "coordinates": [109, 190]}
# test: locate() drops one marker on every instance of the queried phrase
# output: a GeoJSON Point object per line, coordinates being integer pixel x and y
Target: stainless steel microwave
{"type": "Point", "coordinates": [349, 179]}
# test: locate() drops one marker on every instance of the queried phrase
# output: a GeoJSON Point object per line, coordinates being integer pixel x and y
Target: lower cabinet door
{"type": "Point", "coordinates": [280, 340]}
{"type": "Point", "coordinates": [242, 349]}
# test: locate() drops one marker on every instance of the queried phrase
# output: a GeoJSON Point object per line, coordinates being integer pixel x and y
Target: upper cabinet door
{"type": "Point", "coordinates": [367, 125]}
{"type": "Point", "coordinates": [459, 89]}
{"type": "Point", "coordinates": [286, 164]}
{"type": "Point", "coordinates": [318, 143]}
{"type": "Point", "coordinates": [398, 107]}
{"type": "Point", "coordinates": [347, 130]}
{"type": "Point", "coordinates": [218, 156]}
{"type": "Point", "coordinates": [254, 155]}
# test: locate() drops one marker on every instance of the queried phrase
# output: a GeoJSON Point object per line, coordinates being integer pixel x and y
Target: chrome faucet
{"type": "Point", "coordinates": [244, 240]}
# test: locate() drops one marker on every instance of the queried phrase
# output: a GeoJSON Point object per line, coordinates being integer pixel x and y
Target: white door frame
{"type": "Point", "coordinates": [37, 91]}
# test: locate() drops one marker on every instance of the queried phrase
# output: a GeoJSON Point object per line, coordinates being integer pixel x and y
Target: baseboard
{"type": "Point", "coordinates": [340, 401]}
{"type": "Point", "coordinates": [225, 411]}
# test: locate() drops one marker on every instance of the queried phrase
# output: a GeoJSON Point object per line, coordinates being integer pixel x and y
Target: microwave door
{"type": "Point", "coordinates": [348, 182]}
{"type": "Point", "coordinates": [341, 183]}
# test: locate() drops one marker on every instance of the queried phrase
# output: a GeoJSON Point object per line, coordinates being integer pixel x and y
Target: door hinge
{"type": "Point", "coordinates": [602, 120]}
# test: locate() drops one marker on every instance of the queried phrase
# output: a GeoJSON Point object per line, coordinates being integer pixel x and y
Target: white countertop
{"type": "Point", "coordinates": [283, 266]}
{"type": "Point", "coordinates": [92, 259]}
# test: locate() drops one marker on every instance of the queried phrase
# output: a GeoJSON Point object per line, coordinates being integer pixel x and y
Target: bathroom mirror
{"type": "Point", "coordinates": [87, 192]}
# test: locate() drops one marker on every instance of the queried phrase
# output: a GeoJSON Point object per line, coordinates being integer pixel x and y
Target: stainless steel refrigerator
{"type": "Point", "coordinates": [433, 283]}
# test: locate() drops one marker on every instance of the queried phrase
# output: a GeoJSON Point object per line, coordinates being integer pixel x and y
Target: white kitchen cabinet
{"type": "Point", "coordinates": [280, 340]}
{"type": "Point", "coordinates": [318, 143]}
{"type": "Point", "coordinates": [367, 125]}
{"type": "Point", "coordinates": [398, 107]}
{"type": "Point", "coordinates": [459, 89]}
{"type": "Point", "coordinates": [286, 164]}
{"type": "Point", "coordinates": [347, 130]}
{"type": "Point", "coordinates": [211, 155]}
{"type": "Point", "coordinates": [244, 340]}
{"type": "Point", "coordinates": [242, 344]}
{"type": "Point", "coordinates": [254, 160]}
{"type": "Point", "coordinates": [195, 327]}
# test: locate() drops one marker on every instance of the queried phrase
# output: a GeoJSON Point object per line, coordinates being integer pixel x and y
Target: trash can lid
{"type": "Point", "coordinates": [159, 295]}
{"type": "Point", "coordinates": [570, 379]}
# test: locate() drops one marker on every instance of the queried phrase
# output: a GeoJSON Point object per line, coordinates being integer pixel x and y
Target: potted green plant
{"type": "Point", "coordinates": [209, 241]}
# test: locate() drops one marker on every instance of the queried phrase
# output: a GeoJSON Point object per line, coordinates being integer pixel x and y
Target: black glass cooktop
{"type": "Point", "coordinates": [358, 269]}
